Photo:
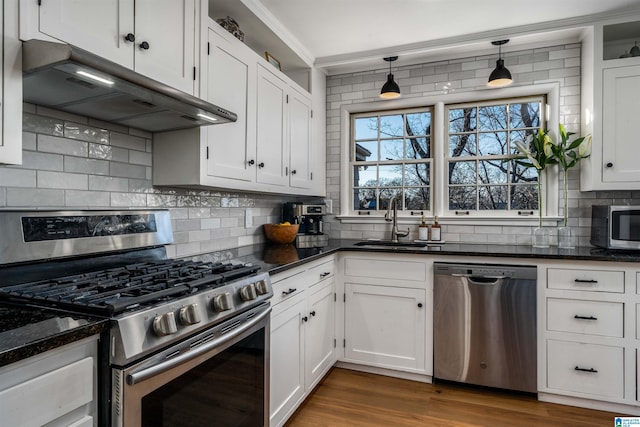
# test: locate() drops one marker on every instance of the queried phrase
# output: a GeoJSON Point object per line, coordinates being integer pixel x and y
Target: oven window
{"type": "Point", "coordinates": [224, 391]}
{"type": "Point", "coordinates": [625, 225]}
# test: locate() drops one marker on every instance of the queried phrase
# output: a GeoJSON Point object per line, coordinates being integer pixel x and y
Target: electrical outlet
{"type": "Point", "coordinates": [329, 205]}
{"type": "Point", "coordinates": [248, 218]}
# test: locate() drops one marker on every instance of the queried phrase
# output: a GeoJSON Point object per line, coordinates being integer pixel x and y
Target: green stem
{"type": "Point", "coordinates": [540, 196]}
{"type": "Point", "coordinates": [566, 195]}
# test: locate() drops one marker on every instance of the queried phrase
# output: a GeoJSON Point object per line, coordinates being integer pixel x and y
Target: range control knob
{"type": "Point", "coordinates": [222, 302]}
{"type": "Point", "coordinates": [248, 292]}
{"type": "Point", "coordinates": [189, 315]}
{"type": "Point", "coordinates": [165, 324]}
{"type": "Point", "coordinates": [262, 287]}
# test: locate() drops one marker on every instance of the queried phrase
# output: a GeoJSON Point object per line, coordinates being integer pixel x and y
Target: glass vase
{"type": "Point", "coordinates": [565, 238]}
{"type": "Point", "coordinates": [540, 237]}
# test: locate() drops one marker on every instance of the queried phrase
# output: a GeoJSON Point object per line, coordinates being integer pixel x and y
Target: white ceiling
{"type": "Point", "coordinates": [342, 31]}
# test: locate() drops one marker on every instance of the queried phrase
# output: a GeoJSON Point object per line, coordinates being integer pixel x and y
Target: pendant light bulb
{"type": "Point", "coordinates": [500, 76]}
{"type": "Point", "coordinates": [390, 89]}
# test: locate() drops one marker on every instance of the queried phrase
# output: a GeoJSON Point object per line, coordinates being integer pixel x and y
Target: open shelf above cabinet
{"type": "Point", "coordinates": [260, 38]}
{"type": "Point", "coordinates": [621, 40]}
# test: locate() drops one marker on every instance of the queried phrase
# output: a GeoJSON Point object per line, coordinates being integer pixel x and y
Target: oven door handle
{"type": "Point", "coordinates": [144, 374]}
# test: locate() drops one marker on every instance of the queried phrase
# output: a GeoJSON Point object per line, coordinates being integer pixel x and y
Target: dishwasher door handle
{"type": "Point", "coordinates": [480, 280]}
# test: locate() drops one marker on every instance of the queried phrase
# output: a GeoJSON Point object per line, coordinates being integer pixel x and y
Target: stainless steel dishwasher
{"type": "Point", "coordinates": [485, 325]}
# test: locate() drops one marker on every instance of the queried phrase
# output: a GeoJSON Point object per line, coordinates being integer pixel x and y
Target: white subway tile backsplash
{"type": "Point", "coordinates": [107, 183]}
{"type": "Point", "coordinates": [126, 170]}
{"type": "Point", "coordinates": [72, 181]}
{"type": "Point", "coordinates": [34, 197]}
{"type": "Point", "coordinates": [129, 200]}
{"type": "Point", "coordinates": [42, 161]}
{"type": "Point", "coordinates": [15, 177]}
{"type": "Point", "coordinates": [127, 141]}
{"type": "Point", "coordinates": [85, 133]}
{"type": "Point", "coordinates": [107, 152]}
{"type": "Point", "coordinates": [54, 144]}
{"type": "Point", "coordinates": [87, 166]}
{"type": "Point", "coordinates": [86, 199]}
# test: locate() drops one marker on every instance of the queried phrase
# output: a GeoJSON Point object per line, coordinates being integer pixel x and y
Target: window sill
{"type": "Point", "coordinates": [532, 221]}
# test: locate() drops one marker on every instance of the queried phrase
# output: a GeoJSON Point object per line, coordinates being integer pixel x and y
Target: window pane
{"type": "Point", "coordinates": [492, 144]}
{"type": "Point", "coordinates": [523, 174]}
{"type": "Point", "coordinates": [392, 149]}
{"type": "Point", "coordinates": [418, 124]}
{"type": "Point", "coordinates": [519, 136]}
{"type": "Point", "coordinates": [524, 197]}
{"type": "Point", "coordinates": [364, 176]}
{"type": "Point", "coordinates": [462, 173]}
{"type": "Point", "coordinates": [493, 198]}
{"type": "Point", "coordinates": [391, 125]}
{"type": "Point", "coordinates": [366, 150]}
{"type": "Point", "coordinates": [492, 117]}
{"type": "Point", "coordinates": [364, 199]}
{"type": "Point", "coordinates": [416, 174]}
{"type": "Point", "coordinates": [366, 128]}
{"type": "Point", "coordinates": [462, 120]}
{"type": "Point", "coordinates": [462, 145]}
{"type": "Point", "coordinates": [386, 193]}
{"type": "Point", "coordinates": [525, 115]}
{"type": "Point", "coordinates": [417, 198]}
{"type": "Point", "coordinates": [390, 175]}
{"type": "Point", "coordinates": [419, 148]}
{"type": "Point", "coordinates": [462, 198]}
{"type": "Point", "coordinates": [492, 172]}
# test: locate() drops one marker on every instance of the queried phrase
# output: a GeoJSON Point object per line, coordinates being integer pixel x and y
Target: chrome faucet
{"type": "Point", "coordinates": [392, 215]}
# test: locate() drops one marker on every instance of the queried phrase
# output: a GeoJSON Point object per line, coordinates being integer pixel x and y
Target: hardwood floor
{"type": "Point", "coordinates": [357, 399]}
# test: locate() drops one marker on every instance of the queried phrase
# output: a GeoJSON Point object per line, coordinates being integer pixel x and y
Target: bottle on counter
{"type": "Point", "coordinates": [423, 229]}
{"type": "Point", "coordinates": [435, 230]}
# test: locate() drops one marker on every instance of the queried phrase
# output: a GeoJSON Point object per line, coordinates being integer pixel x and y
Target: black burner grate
{"type": "Point", "coordinates": [116, 290]}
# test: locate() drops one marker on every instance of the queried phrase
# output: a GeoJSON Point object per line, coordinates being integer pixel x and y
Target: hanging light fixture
{"type": "Point", "coordinates": [500, 76]}
{"type": "Point", "coordinates": [390, 89]}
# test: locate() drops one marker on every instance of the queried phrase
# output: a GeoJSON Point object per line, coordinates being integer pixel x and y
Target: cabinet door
{"type": "Point", "coordinates": [168, 27]}
{"type": "Point", "coordinates": [320, 331]}
{"type": "Point", "coordinates": [11, 89]}
{"type": "Point", "coordinates": [287, 358]}
{"type": "Point", "coordinates": [98, 26]}
{"type": "Point", "coordinates": [270, 129]}
{"type": "Point", "coordinates": [621, 92]}
{"type": "Point", "coordinates": [226, 82]}
{"type": "Point", "coordinates": [385, 326]}
{"type": "Point", "coordinates": [299, 140]}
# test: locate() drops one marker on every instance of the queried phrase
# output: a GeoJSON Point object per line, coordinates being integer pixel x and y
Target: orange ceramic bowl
{"type": "Point", "coordinates": [282, 234]}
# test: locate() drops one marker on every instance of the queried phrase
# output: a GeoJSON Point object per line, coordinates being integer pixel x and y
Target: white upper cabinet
{"type": "Point", "coordinates": [300, 173]}
{"type": "Point", "coordinates": [610, 107]}
{"type": "Point", "coordinates": [11, 90]}
{"type": "Point", "coordinates": [154, 37]}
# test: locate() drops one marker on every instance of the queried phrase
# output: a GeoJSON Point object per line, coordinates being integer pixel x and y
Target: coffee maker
{"type": "Point", "coordinates": [309, 217]}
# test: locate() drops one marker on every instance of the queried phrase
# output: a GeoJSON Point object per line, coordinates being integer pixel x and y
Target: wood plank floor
{"type": "Point", "coordinates": [357, 399]}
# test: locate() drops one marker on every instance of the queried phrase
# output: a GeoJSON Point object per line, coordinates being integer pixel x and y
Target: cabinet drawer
{"type": "Point", "coordinates": [386, 269]}
{"type": "Point", "coordinates": [585, 317]}
{"type": "Point", "coordinates": [585, 280]}
{"type": "Point", "coordinates": [321, 272]}
{"type": "Point", "coordinates": [287, 286]}
{"type": "Point", "coordinates": [585, 368]}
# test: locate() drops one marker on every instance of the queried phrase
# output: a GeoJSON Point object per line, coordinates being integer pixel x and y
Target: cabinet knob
{"type": "Point", "coordinates": [261, 164]}
{"type": "Point", "coordinates": [251, 162]}
{"type": "Point", "coordinates": [130, 37]}
{"type": "Point", "coordinates": [313, 313]}
{"type": "Point", "coordinates": [293, 171]}
{"type": "Point", "coordinates": [419, 305]}
{"type": "Point", "coordinates": [609, 165]}
{"type": "Point", "coordinates": [144, 45]}
{"type": "Point", "coordinates": [305, 319]}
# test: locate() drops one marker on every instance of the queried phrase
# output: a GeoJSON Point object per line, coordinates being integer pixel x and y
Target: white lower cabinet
{"type": "Point", "coordinates": [587, 332]}
{"type": "Point", "coordinates": [57, 388]}
{"type": "Point", "coordinates": [302, 335]}
{"type": "Point", "coordinates": [388, 312]}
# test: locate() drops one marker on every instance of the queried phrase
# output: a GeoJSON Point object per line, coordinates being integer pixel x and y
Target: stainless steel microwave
{"type": "Point", "coordinates": [616, 227]}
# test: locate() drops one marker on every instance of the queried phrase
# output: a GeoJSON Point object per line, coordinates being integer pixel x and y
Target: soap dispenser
{"type": "Point", "coordinates": [423, 229]}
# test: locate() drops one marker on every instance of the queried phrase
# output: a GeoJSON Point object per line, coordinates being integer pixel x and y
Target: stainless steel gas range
{"type": "Point", "coordinates": [189, 340]}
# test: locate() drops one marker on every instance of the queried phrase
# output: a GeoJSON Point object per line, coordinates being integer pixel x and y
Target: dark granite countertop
{"type": "Point", "coordinates": [27, 330]}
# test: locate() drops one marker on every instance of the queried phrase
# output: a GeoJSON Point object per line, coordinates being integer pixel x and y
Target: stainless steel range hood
{"type": "Point", "coordinates": [63, 77]}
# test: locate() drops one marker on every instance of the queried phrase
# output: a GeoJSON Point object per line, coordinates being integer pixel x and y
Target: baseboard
{"type": "Point", "coordinates": [616, 408]}
{"type": "Point", "coordinates": [423, 378]}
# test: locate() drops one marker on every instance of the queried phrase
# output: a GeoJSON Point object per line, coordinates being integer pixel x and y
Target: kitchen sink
{"type": "Point", "coordinates": [389, 243]}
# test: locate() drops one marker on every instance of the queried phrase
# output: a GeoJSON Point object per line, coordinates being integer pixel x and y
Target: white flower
{"type": "Point", "coordinates": [584, 150]}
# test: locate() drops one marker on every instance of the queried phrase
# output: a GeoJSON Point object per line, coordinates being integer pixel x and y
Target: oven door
{"type": "Point", "coordinates": [219, 377]}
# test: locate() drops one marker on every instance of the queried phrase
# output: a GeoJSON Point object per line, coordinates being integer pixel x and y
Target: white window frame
{"type": "Point", "coordinates": [438, 101]}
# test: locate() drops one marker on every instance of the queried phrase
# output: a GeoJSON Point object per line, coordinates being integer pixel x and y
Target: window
{"type": "Point", "coordinates": [391, 155]}
{"type": "Point", "coordinates": [481, 137]}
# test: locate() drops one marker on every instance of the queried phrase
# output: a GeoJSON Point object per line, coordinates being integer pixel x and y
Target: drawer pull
{"type": "Point", "coordinates": [590, 370]}
{"type": "Point", "coordinates": [585, 317]}
{"type": "Point", "coordinates": [290, 291]}
{"type": "Point", "coordinates": [585, 281]}
{"type": "Point", "coordinates": [325, 274]}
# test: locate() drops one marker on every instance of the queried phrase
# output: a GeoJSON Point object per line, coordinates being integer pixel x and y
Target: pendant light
{"type": "Point", "coordinates": [500, 76]}
{"type": "Point", "coordinates": [390, 89]}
